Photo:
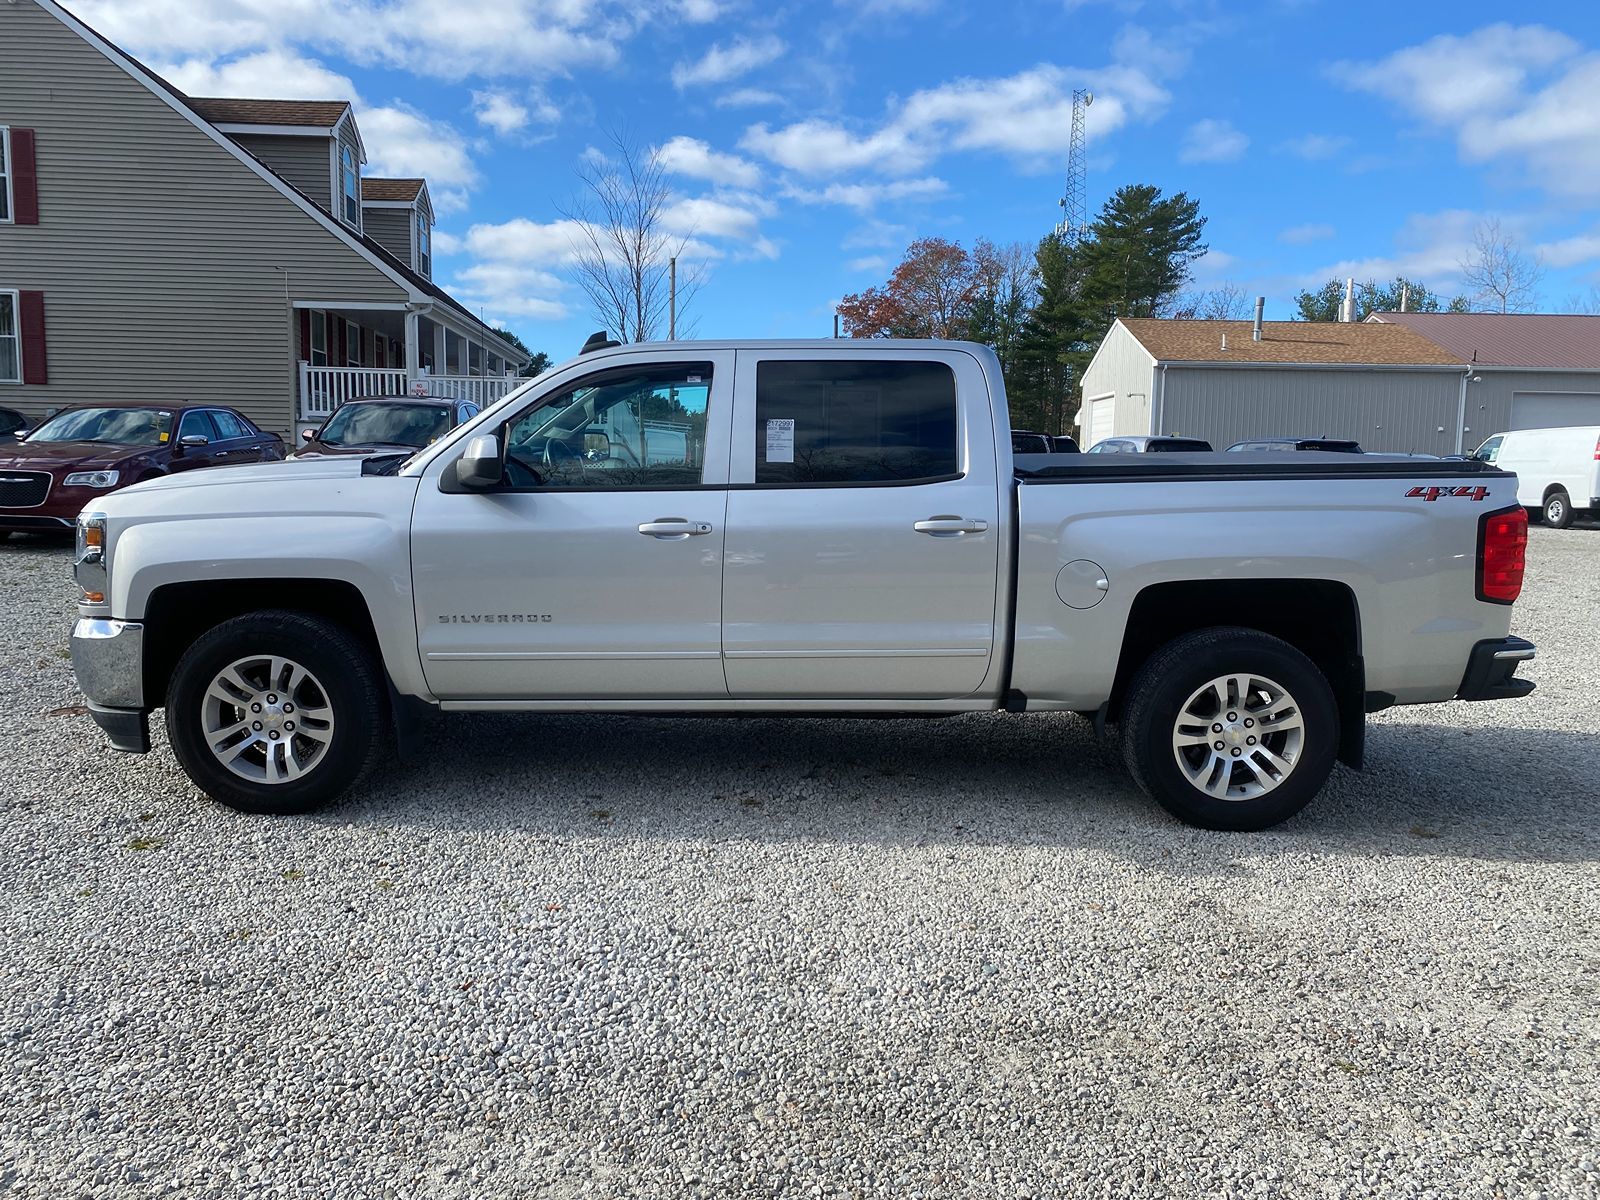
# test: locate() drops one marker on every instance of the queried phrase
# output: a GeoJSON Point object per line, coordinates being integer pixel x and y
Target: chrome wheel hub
{"type": "Point", "coordinates": [267, 719]}
{"type": "Point", "coordinates": [1238, 737]}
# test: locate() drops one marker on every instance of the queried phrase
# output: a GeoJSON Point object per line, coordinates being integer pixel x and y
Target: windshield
{"type": "Point", "coordinates": [386, 424]}
{"type": "Point", "coordinates": [116, 426]}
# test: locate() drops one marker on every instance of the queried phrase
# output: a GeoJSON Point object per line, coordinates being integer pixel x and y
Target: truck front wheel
{"type": "Point", "coordinates": [1230, 728]}
{"type": "Point", "coordinates": [276, 712]}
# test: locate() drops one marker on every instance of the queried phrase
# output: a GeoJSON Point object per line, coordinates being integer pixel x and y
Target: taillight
{"type": "Point", "coordinates": [1597, 449]}
{"type": "Point", "coordinates": [1502, 555]}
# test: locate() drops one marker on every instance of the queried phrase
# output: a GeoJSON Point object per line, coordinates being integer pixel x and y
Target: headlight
{"type": "Point", "coordinates": [94, 479]}
{"type": "Point", "coordinates": [90, 565]}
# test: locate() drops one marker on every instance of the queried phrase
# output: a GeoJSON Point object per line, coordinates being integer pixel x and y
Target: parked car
{"type": "Point", "coordinates": [1330, 445]}
{"type": "Point", "coordinates": [12, 422]}
{"type": "Point", "coordinates": [80, 454]}
{"type": "Point", "coordinates": [375, 423]}
{"type": "Point", "coordinates": [1146, 444]}
{"type": "Point", "coordinates": [808, 552]}
{"type": "Point", "coordinates": [1061, 444]}
{"type": "Point", "coordinates": [1558, 470]}
{"type": "Point", "coordinates": [1025, 441]}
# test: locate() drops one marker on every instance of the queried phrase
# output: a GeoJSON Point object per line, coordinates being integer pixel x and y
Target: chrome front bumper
{"type": "Point", "coordinates": [108, 659]}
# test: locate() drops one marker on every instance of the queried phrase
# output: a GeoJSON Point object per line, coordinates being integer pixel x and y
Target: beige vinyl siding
{"type": "Point", "coordinates": [1121, 367]}
{"type": "Point", "coordinates": [1394, 410]}
{"type": "Point", "coordinates": [303, 161]}
{"type": "Point", "coordinates": [168, 267]}
{"type": "Point", "coordinates": [391, 229]}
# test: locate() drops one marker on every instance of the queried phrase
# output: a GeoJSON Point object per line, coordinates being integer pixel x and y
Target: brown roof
{"type": "Point", "coordinates": [1550, 340]}
{"type": "Point", "coordinates": [1287, 342]}
{"type": "Point", "coordinates": [390, 189]}
{"type": "Point", "coordinates": [221, 110]}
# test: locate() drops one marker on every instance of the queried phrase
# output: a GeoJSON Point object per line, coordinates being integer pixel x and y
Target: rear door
{"type": "Point", "coordinates": [234, 444]}
{"type": "Point", "coordinates": [863, 526]}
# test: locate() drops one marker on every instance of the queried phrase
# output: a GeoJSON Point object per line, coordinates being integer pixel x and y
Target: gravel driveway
{"type": "Point", "coordinates": [614, 957]}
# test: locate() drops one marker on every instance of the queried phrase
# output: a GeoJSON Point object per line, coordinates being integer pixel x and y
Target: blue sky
{"type": "Point", "coordinates": [808, 143]}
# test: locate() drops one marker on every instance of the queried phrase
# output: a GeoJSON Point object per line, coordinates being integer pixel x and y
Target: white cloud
{"type": "Point", "coordinates": [1316, 147]}
{"type": "Point", "coordinates": [699, 12]}
{"type": "Point", "coordinates": [446, 244]}
{"type": "Point", "coordinates": [499, 111]}
{"type": "Point", "coordinates": [872, 262]}
{"type": "Point", "coordinates": [867, 196]}
{"type": "Point", "coordinates": [402, 141]}
{"type": "Point", "coordinates": [279, 73]}
{"type": "Point", "coordinates": [1429, 248]}
{"type": "Point", "coordinates": [1026, 116]}
{"type": "Point", "coordinates": [747, 98]}
{"type": "Point", "coordinates": [721, 63]}
{"type": "Point", "coordinates": [1570, 251]}
{"type": "Point", "coordinates": [1525, 95]}
{"type": "Point", "coordinates": [514, 267]}
{"type": "Point", "coordinates": [703, 216]}
{"type": "Point", "coordinates": [1300, 235]}
{"type": "Point", "coordinates": [693, 157]}
{"type": "Point", "coordinates": [1213, 141]}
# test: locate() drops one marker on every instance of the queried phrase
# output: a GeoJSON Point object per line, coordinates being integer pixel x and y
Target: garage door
{"type": "Point", "coordinates": [1102, 420]}
{"type": "Point", "coordinates": [1554, 410]}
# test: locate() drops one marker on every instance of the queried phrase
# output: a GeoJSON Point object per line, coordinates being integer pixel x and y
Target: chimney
{"type": "Point", "coordinates": [1348, 311]}
{"type": "Point", "coordinates": [1405, 296]}
{"type": "Point", "coordinates": [1261, 305]}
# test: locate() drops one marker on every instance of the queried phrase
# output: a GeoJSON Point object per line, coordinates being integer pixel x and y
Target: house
{"type": "Point", "coordinates": [1387, 386]}
{"type": "Point", "coordinates": [156, 246]}
{"type": "Point", "coordinates": [1529, 370]}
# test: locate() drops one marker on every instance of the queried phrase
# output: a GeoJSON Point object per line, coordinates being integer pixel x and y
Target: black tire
{"type": "Point", "coordinates": [1175, 673]}
{"type": "Point", "coordinates": [344, 671]}
{"type": "Point", "coordinates": [1558, 509]}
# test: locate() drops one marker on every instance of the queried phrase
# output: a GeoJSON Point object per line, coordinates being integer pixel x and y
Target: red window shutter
{"type": "Point", "coordinates": [34, 369]}
{"type": "Point", "coordinates": [305, 335]}
{"type": "Point", "coordinates": [24, 179]}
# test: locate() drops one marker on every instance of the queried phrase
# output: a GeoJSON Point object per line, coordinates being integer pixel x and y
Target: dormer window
{"type": "Point", "coordinates": [424, 246]}
{"type": "Point", "coordinates": [352, 188]}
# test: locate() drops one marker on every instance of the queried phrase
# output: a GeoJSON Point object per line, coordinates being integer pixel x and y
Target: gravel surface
{"type": "Point", "coordinates": [612, 957]}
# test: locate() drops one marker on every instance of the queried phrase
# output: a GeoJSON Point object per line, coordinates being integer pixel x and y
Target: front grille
{"type": "Point", "coordinates": [23, 489]}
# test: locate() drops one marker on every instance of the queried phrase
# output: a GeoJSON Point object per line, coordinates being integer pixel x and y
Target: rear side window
{"type": "Point", "coordinates": [228, 424]}
{"type": "Point", "coordinates": [843, 422]}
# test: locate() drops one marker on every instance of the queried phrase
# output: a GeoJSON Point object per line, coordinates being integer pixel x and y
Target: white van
{"type": "Point", "coordinates": [1558, 470]}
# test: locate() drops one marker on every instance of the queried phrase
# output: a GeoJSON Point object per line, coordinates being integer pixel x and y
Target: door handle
{"type": "Point", "coordinates": [674, 528]}
{"type": "Point", "coordinates": [950, 526]}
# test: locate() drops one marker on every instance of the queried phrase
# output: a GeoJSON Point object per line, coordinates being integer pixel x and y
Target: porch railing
{"type": "Point", "coordinates": [324, 389]}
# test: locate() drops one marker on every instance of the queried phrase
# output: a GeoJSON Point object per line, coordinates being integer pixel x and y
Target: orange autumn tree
{"type": "Point", "coordinates": [930, 295]}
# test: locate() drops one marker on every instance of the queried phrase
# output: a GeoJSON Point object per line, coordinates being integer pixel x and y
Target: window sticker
{"type": "Point", "coordinates": [780, 440]}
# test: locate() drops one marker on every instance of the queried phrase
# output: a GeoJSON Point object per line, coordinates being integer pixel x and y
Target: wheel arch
{"type": "Point", "coordinates": [170, 628]}
{"type": "Point", "coordinates": [1319, 617]}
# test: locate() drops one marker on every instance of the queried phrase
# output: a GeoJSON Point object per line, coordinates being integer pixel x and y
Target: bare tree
{"type": "Point", "coordinates": [1225, 302]}
{"type": "Point", "coordinates": [1501, 276]}
{"type": "Point", "coordinates": [623, 250]}
{"type": "Point", "coordinates": [1584, 305]}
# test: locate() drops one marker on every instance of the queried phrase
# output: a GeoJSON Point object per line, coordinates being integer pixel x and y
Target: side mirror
{"type": "Point", "coordinates": [596, 447]}
{"type": "Point", "coordinates": [480, 467]}
{"type": "Point", "coordinates": [307, 434]}
{"type": "Point", "coordinates": [21, 435]}
{"type": "Point", "coordinates": [194, 439]}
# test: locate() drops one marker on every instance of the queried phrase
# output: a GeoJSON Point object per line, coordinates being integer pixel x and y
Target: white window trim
{"type": "Point", "coordinates": [352, 344]}
{"type": "Point", "coordinates": [417, 231]}
{"type": "Point", "coordinates": [16, 321]}
{"type": "Point", "coordinates": [6, 177]}
{"type": "Point", "coordinates": [352, 196]}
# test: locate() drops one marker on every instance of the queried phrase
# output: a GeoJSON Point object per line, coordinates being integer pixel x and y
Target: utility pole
{"type": "Point", "coordinates": [672, 299]}
{"type": "Point", "coordinates": [1072, 202]}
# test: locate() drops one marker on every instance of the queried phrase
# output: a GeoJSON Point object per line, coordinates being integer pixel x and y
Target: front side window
{"type": "Point", "coordinates": [352, 188]}
{"type": "Point", "coordinates": [5, 176]}
{"type": "Point", "coordinates": [833, 421]}
{"type": "Point", "coordinates": [10, 339]}
{"type": "Point", "coordinates": [1488, 452]}
{"type": "Point", "coordinates": [424, 246]}
{"type": "Point", "coordinates": [109, 426]}
{"type": "Point", "coordinates": [639, 427]}
{"type": "Point", "coordinates": [195, 423]}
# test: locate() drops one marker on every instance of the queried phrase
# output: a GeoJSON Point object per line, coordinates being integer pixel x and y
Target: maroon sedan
{"type": "Point", "coordinates": [81, 453]}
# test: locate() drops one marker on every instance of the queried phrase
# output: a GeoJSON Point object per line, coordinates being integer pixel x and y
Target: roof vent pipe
{"type": "Point", "coordinates": [1349, 310]}
{"type": "Point", "coordinates": [1261, 306]}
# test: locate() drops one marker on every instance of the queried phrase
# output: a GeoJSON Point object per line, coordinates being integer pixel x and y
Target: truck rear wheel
{"type": "Point", "coordinates": [1230, 728]}
{"type": "Point", "coordinates": [276, 712]}
{"type": "Point", "coordinates": [1557, 510]}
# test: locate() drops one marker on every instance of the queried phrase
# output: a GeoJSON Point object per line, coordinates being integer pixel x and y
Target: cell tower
{"type": "Point", "coordinates": [1073, 219]}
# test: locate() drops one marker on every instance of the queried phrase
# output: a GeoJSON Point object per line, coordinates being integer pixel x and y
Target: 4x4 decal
{"type": "Point", "coordinates": [1433, 493]}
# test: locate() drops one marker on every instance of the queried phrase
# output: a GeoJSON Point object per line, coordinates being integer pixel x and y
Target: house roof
{"type": "Point", "coordinates": [1286, 342]}
{"type": "Point", "coordinates": [1548, 340]}
{"type": "Point", "coordinates": [223, 110]}
{"type": "Point", "coordinates": [390, 189]}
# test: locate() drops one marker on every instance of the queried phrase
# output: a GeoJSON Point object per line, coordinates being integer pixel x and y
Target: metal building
{"type": "Point", "coordinates": [1529, 370]}
{"type": "Point", "coordinates": [1383, 384]}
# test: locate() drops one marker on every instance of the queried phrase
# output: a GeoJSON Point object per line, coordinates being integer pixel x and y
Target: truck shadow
{"type": "Point", "coordinates": [1502, 794]}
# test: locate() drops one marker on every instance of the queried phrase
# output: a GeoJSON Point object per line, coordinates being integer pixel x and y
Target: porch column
{"type": "Point", "coordinates": [413, 360]}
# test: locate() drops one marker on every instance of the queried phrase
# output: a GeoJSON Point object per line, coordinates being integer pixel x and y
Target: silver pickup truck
{"type": "Point", "coordinates": [828, 527]}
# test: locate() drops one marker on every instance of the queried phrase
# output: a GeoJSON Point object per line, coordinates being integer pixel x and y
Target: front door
{"type": "Point", "coordinates": [863, 527]}
{"type": "Point", "coordinates": [595, 572]}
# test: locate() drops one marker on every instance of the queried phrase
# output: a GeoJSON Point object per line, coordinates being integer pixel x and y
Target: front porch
{"type": "Point", "coordinates": [393, 350]}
